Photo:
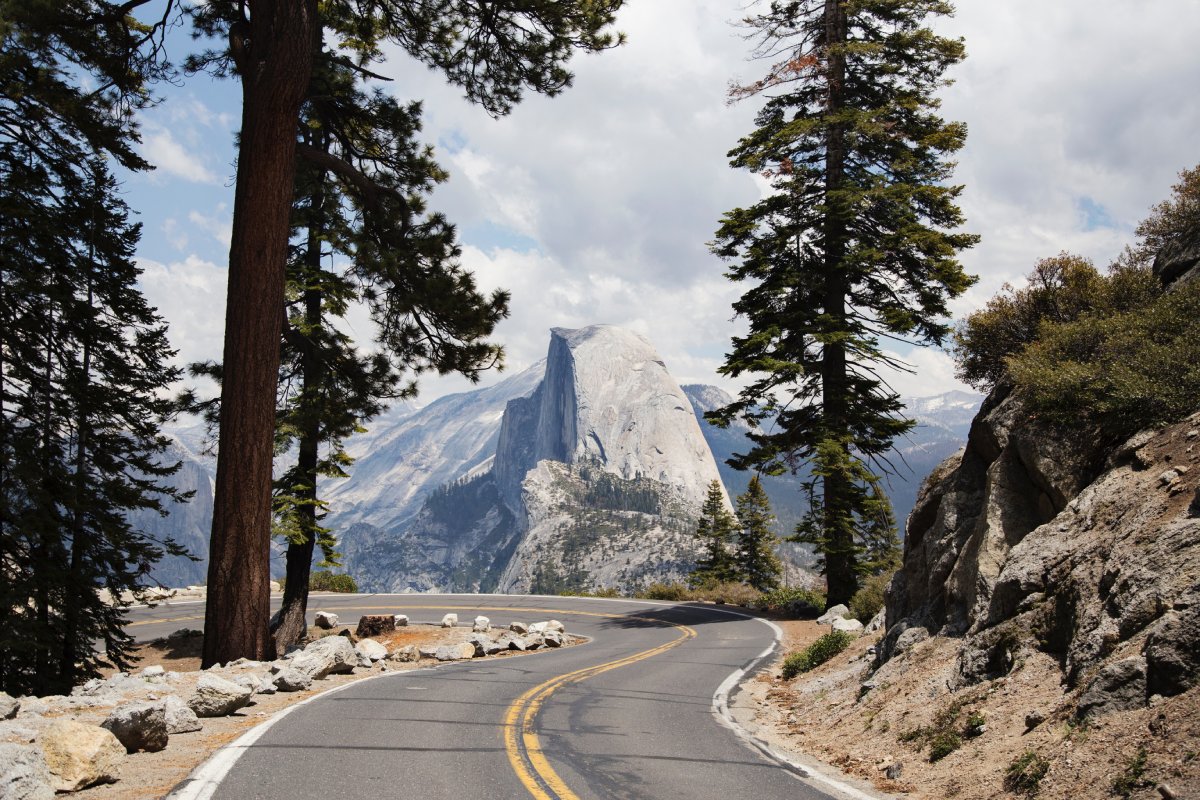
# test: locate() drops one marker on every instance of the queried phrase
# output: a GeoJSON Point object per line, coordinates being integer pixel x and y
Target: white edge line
{"type": "Point", "coordinates": [720, 710]}
{"type": "Point", "coordinates": [203, 781]}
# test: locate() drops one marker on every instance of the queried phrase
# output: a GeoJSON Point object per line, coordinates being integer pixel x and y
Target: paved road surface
{"type": "Point", "coordinates": [628, 715]}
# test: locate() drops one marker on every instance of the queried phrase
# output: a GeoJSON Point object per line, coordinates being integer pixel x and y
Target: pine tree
{"type": "Point", "coordinates": [755, 559]}
{"type": "Point", "coordinates": [715, 529]}
{"type": "Point", "coordinates": [853, 244]}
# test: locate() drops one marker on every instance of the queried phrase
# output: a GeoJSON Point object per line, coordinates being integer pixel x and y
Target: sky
{"type": "Point", "coordinates": [596, 206]}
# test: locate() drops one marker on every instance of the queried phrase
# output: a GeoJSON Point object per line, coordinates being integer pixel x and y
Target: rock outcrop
{"type": "Point", "coordinates": [1028, 539]}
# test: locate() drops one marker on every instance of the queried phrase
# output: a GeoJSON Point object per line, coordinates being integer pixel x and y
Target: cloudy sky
{"type": "Point", "coordinates": [596, 206]}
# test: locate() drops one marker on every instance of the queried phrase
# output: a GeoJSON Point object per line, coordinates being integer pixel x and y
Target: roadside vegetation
{"type": "Point", "coordinates": [816, 653]}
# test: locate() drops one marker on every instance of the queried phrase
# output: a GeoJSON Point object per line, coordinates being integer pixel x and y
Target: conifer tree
{"type": "Point", "coordinates": [715, 529]}
{"type": "Point", "coordinates": [855, 243]}
{"type": "Point", "coordinates": [755, 560]}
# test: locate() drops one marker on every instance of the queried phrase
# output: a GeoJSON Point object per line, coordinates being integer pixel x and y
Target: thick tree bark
{"type": "Point", "coordinates": [291, 623]}
{"type": "Point", "coordinates": [839, 563]}
{"type": "Point", "coordinates": [275, 65]}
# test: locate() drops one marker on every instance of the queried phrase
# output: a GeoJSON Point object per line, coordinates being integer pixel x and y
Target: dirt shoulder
{"type": "Point", "coordinates": [887, 731]}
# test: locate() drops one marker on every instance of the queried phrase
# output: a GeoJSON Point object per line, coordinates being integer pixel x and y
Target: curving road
{"type": "Point", "coordinates": [631, 714]}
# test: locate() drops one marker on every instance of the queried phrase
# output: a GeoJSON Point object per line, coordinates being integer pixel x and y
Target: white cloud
{"type": "Point", "coordinates": [190, 294]}
{"type": "Point", "coordinates": [218, 225]}
{"type": "Point", "coordinates": [164, 151]}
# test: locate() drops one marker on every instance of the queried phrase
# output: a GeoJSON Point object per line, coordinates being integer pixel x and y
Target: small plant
{"type": "Point", "coordinates": [1024, 775]}
{"type": "Point", "coordinates": [816, 653]}
{"type": "Point", "coordinates": [1132, 778]}
{"type": "Point", "coordinates": [796, 603]}
{"type": "Point", "coordinates": [975, 723]}
{"type": "Point", "coordinates": [665, 591]}
{"type": "Point", "coordinates": [868, 600]}
{"type": "Point", "coordinates": [913, 735]}
{"type": "Point", "coordinates": [325, 581]}
{"type": "Point", "coordinates": [943, 744]}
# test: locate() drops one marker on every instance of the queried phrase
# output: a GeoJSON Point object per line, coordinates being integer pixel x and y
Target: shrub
{"type": "Point", "coordinates": [1132, 778]}
{"type": "Point", "coordinates": [1025, 773]}
{"type": "Point", "coordinates": [325, 581]}
{"type": "Point", "coordinates": [795, 603]}
{"type": "Point", "coordinates": [868, 600]}
{"type": "Point", "coordinates": [738, 594]}
{"type": "Point", "coordinates": [943, 744]}
{"type": "Point", "coordinates": [816, 653]}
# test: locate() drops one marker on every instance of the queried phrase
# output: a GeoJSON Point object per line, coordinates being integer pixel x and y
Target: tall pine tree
{"type": "Point", "coordinates": [755, 559]}
{"type": "Point", "coordinates": [854, 243]}
{"type": "Point", "coordinates": [715, 529]}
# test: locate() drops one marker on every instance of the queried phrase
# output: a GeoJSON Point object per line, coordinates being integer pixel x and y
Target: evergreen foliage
{"type": "Point", "coordinates": [855, 242]}
{"type": "Point", "coordinates": [83, 359]}
{"type": "Point", "coordinates": [816, 653]}
{"type": "Point", "coordinates": [755, 559]}
{"type": "Point", "coordinates": [715, 529]}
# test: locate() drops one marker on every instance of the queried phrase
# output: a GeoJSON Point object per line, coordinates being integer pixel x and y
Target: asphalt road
{"type": "Point", "coordinates": [628, 715]}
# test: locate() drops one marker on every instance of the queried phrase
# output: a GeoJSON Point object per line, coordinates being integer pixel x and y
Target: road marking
{"type": "Point", "coordinates": [521, 741]}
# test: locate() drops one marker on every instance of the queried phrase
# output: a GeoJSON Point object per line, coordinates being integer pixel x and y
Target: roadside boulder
{"type": "Point", "coordinates": [847, 625]}
{"type": "Point", "coordinates": [375, 624]}
{"type": "Point", "coordinates": [455, 652]}
{"type": "Point", "coordinates": [450, 620]}
{"type": "Point", "coordinates": [326, 620]}
{"type": "Point", "coordinates": [404, 654]}
{"type": "Point", "coordinates": [329, 656]}
{"type": "Point", "coordinates": [553, 639]}
{"type": "Point", "coordinates": [400, 620]}
{"type": "Point", "coordinates": [427, 651]}
{"type": "Point", "coordinates": [23, 773]}
{"type": "Point", "coordinates": [289, 679]}
{"type": "Point", "coordinates": [555, 625]}
{"type": "Point", "coordinates": [139, 726]}
{"type": "Point", "coordinates": [538, 627]}
{"type": "Point", "coordinates": [835, 613]}
{"type": "Point", "coordinates": [179, 716]}
{"type": "Point", "coordinates": [485, 646]}
{"type": "Point", "coordinates": [369, 651]}
{"type": "Point", "coordinates": [9, 706]}
{"type": "Point", "coordinates": [217, 697]}
{"type": "Point", "coordinates": [482, 625]}
{"type": "Point", "coordinates": [79, 756]}
{"type": "Point", "coordinates": [518, 627]}
{"type": "Point", "coordinates": [511, 642]}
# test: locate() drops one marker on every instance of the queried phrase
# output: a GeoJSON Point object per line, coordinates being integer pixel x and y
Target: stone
{"type": "Point", "coordinates": [404, 654]}
{"type": "Point", "coordinates": [80, 755]}
{"type": "Point", "coordinates": [9, 706]}
{"type": "Point", "coordinates": [553, 639]}
{"type": "Point", "coordinates": [24, 774]}
{"type": "Point", "coordinates": [533, 640]}
{"type": "Point", "coordinates": [1173, 650]}
{"type": "Point", "coordinates": [512, 642]}
{"type": "Point", "coordinates": [370, 650]}
{"type": "Point", "coordinates": [555, 625]}
{"type": "Point", "coordinates": [518, 627]}
{"type": "Point", "coordinates": [289, 679]}
{"type": "Point", "coordinates": [1175, 264]}
{"type": "Point", "coordinates": [836, 612]}
{"type": "Point", "coordinates": [847, 625]}
{"type": "Point", "coordinates": [326, 620]}
{"type": "Point", "coordinates": [139, 726]}
{"type": "Point", "coordinates": [179, 716]}
{"type": "Point", "coordinates": [375, 624]}
{"type": "Point", "coordinates": [332, 655]}
{"type": "Point", "coordinates": [455, 652]}
{"type": "Point", "coordinates": [894, 771]}
{"type": "Point", "coordinates": [251, 682]}
{"type": "Point", "coordinates": [1119, 686]}
{"type": "Point", "coordinates": [482, 625]}
{"type": "Point", "coordinates": [450, 620]}
{"type": "Point", "coordinates": [538, 627]}
{"type": "Point", "coordinates": [427, 651]}
{"type": "Point", "coordinates": [875, 625]}
{"type": "Point", "coordinates": [217, 697]}
{"type": "Point", "coordinates": [400, 620]}
{"type": "Point", "coordinates": [12, 729]}
{"type": "Point", "coordinates": [1033, 719]}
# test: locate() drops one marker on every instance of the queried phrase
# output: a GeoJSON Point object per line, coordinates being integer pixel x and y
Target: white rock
{"type": "Point", "coordinates": [154, 672]}
{"type": "Point", "coordinates": [275, 587]}
{"type": "Point", "coordinates": [217, 697]}
{"type": "Point", "coordinates": [555, 625]}
{"type": "Point", "coordinates": [847, 625]}
{"type": "Point", "coordinates": [329, 656]}
{"type": "Point", "coordinates": [538, 627]}
{"type": "Point", "coordinates": [326, 620]}
{"type": "Point", "coordinates": [518, 627]}
{"type": "Point", "coordinates": [427, 651]}
{"type": "Point", "coordinates": [79, 755]}
{"type": "Point", "coordinates": [23, 774]}
{"type": "Point", "coordinates": [138, 726]}
{"type": "Point", "coordinates": [837, 612]}
{"type": "Point", "coordinates": [455, 652]}
{"type": "Point", "coordinates": [482, 625]}
{"type": "Point", "coordinates": [370, 650]}
{"type": "Point", "coordinates": [180, 718]}
{"type": "Point", "coordinates": [9, 706]}
{"type": "Point", "coordinates": [404, 654]}
{"type": "Point", "coordinates": [289, 679]}
{"type": "Point", "coordinates": [450, 620]}
{"type": "Point", "coordinates": [401, 620]}
{"type": "Point", "coordinates": [553, 639]}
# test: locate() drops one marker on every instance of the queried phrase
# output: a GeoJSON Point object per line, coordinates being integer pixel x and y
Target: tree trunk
{"type": "Point", "coordinates": [275, 65]}
{"type": "Point", "coordinates": [291, 623]}
{"type": "Point", "coordinates": [836, 511]}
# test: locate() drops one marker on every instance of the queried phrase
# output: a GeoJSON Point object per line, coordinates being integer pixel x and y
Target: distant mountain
{"type": "Point", "coordinates": [942, 425]}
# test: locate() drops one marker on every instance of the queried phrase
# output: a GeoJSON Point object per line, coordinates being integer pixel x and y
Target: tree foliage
{"type": "Point", "coordinates": [83, 358]}
{"type": "Point", "coordinates": [715, 529]}
{"type": "Point", "coordinates": [855, 243]}
{"type": "Point", "coordinates": [755, 559]}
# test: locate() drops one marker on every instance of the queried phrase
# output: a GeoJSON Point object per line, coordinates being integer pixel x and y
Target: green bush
{"type": "Point", "coordinates": [868, 600]}
{"type": "Point", "coordinates": [1132, 778]}
{"type": "Point", "coordinates": [943, 744]}
{"type": "Point", "coordinates": [1025, 773]}
{"type": "Point", "coordinates": [737, 594]}
{"type": "Point", "coordinates": [325, 581]}
{"type": "Point", "coordinates": [816, 653]}
{"type": "Point", "coordinates": [794, 603]}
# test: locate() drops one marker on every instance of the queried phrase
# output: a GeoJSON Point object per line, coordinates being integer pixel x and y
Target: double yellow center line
{"type": "Point", "coordinates": [521, 741]}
